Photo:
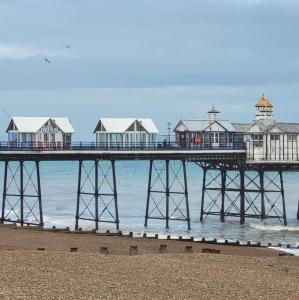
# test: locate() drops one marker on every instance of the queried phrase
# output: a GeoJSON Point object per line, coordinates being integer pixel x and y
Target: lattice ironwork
{"type": "Point", "coordinates": [22, 202]}
{"type": "Point", "coordinates": [244, 194]}
{"type": "Point", "coordinates": [97, 193]}
{"type": "Point", "coordinates": [167, 195]}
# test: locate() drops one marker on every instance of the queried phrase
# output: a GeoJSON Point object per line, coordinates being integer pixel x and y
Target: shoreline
{"type": "Point", "coordinates": [39, 264]}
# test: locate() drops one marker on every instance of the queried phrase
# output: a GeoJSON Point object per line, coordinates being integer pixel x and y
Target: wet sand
{"type": "Point", "coordinates": [56, 273]}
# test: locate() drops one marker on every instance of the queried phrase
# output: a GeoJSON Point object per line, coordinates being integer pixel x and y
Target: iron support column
{"type": "Point", "coordinates": [223, 185]}
{"type": "Point", "coordinates": [242, 196]}
{"type": "Point", "coordinates": [78, 195]}
{"type": "Point", "coordinates": [148, 192]}
{"type": "Point", "coordinates": [186, 195]}
{"type": "Point", "coordinates": [4, 192]}
{"type": "Point", "coordinates": [22, 192]}
{"type": "Point", "coordinates": [115, 195]}
{"type": "Point", "coordinates": [283, 199]}
{"type": "Point", "coordinates": [96, 193]}
{"type": "Point", "coordinates": [203, 193]}
{"type": "Point", "coordinates": [262, 191]}
{"type": "Point", "coordinates": [39, 194]}
{"type": "Point", "coordinates": [167, 194]}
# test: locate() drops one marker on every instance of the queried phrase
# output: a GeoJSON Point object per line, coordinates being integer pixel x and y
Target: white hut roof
{"type": "Point", "coordinates": [121, 125]}
{"type": "Point", "coordinates": [34, 124]}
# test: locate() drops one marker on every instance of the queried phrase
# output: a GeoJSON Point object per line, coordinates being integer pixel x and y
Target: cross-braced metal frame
{"type": "Point", "coordinates": [167, 194]}
{"type": "Point", "coordinates": [236, 192]}
{"type": "Point", "coordinates": [97, 193]}
{"type": "Point", "coordinates": [22, 200]}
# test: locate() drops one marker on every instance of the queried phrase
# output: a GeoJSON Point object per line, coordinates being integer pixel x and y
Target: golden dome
{"type": "Point", "coordinates": [264, 103]}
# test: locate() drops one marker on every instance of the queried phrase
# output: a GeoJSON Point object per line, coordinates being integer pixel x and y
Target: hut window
{"type": "Point", "coordinates": [215, 137]}
{"type": "Point", "coordinates": [274, 137]}
{"type": "Point", "coordinates": [257, 140]}
{"type": "Point", "coordinates": [292, 138]}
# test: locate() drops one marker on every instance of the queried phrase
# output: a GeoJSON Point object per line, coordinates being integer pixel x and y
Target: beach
{"type": "Point", "coordinates": [57, 273]}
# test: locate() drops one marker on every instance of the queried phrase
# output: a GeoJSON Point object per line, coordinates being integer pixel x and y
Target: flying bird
{"type": "Point", "coordinates": [67, 46]}
{"type": "Point", "coordinates": [47, 60]}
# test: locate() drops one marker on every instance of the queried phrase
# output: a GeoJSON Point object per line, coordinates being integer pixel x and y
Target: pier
{"type": "Point", "coordinates": [233, 186]}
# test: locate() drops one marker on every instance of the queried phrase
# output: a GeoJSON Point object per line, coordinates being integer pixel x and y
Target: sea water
{"type": "Point", "coordinates": [59, 182]}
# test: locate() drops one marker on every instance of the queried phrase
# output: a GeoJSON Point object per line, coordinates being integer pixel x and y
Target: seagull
{"type": "Point", "coordinates": [47, 60]}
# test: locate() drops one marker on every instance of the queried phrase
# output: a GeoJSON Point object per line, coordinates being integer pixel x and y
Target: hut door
{"type": "Point", "coordinates": [183, 139]}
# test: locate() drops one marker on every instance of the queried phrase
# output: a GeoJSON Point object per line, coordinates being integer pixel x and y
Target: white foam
{"type": "Point", "coordinates": [287, 250]}
{"type": "Point", "coordinates": [277, 228]}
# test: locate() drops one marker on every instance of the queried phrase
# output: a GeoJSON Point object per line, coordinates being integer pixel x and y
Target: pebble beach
{"type": "Point", "coordinates": [39, 265]}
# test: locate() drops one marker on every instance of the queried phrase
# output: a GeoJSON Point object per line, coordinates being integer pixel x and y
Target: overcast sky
{"type": "Point", "coordinates": [164, 59]}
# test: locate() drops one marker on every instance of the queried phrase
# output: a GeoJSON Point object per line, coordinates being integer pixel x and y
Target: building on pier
{"type": "Point", "coordinates": [126, 132]}
{"type": "Point", "coordinates": [267, 139]}
{"type": "Point", "coordinates": [210, 133]}
{"type": "Point", "coordinates": [41, 131]}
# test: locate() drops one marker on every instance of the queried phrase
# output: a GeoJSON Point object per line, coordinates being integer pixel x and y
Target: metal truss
{"type": "Point", "coordinates": [167, 195]}
{"type": "Point", "coordinates": [22, 201]}
{"type": "Point", "coordinates": [229, 192]}
{"type": "Point", "coordinates": [97, 193]}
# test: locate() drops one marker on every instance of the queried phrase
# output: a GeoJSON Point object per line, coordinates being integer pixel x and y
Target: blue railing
{"type": "Point", "coordinates": [92, 146]}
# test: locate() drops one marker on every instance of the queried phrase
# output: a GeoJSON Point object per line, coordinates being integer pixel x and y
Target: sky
{"type": "Point", "coordinates": [163, 59]}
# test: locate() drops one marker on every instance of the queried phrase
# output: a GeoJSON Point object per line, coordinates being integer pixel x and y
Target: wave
{"type": "Point", "coordinates": [277, 228]}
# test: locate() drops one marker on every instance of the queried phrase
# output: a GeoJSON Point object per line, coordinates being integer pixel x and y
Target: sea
{"type": "Point", "coordinates": [59, 182]}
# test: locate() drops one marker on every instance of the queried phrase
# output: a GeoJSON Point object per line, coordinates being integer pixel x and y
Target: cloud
{"type": "Point", "coordinates": [8, 51]}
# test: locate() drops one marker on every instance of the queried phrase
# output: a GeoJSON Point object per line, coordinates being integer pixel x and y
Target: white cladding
{"type": "Point", "coordinates": [40, 130]}
{"type": "Point", "coordinates": [126, 132]}
{"type": "Point", "coordinates": [121, 125]}
{"type": "Point", "coordinates": [34, 124]}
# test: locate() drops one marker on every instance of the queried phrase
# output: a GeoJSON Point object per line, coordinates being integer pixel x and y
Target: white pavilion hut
{"type": "Point", "coordinates": [267, 139]}
{"type": "Point", "coordinates": [126, 132]}
{"type": "Point", "coordinates": [40, 131]}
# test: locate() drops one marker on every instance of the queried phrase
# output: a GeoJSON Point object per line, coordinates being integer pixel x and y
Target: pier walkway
{"type": "Point", "coordinates": [232, 185]}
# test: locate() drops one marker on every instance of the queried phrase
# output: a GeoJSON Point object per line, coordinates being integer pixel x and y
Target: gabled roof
{"type": "Point", "coordinates": [289, 127]}
{"type": "Point", "coordinates": [34, 124]}
{"type": "Point", "coordinates": [121, 125]}
{"type": "Point", "coordinates": [241, 127]}
{"type": "Point", "coordinates": [202, 125]}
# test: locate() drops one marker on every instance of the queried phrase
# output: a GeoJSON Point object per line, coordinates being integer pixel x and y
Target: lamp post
{"type": "Point", "coordinates": [168, 127]}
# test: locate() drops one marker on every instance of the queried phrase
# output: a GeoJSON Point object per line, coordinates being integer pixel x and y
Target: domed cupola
{"type": "Point", "coordinates": [264, 109]}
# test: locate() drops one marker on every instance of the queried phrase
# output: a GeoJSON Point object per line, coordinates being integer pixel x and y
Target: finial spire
{"type": "Point", "coordinates": [213, 112]}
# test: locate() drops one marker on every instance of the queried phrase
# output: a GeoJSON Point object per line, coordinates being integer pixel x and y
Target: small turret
{"type": "Point", "coordinates": [264, 109]}
{"type": "Point", "coordinates": [213, 112]}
